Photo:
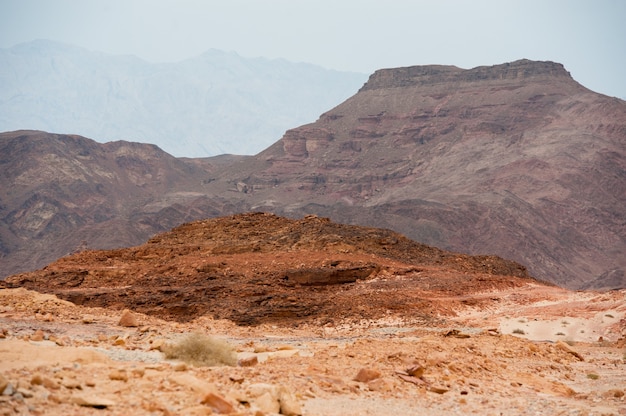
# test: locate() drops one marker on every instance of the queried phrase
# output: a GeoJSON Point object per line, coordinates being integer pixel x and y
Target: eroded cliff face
{"type": "Point", "coordinates": [517, 160]}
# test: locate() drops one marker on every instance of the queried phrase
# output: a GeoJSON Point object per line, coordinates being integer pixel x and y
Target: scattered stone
{"type": "Point", "coordinates": [8, 390]}
{"type": "Point", "coordinates": [50, 384]}
{"type": "Point", "coordinates": [289, 404]}
{"type": "Point", "coordinates": [36, 380]}
{"type": "Point", "coordinates": [71, 383]}
{"type": "Point", "coordinates": [193, 383]}
{"type": "Point", "coordinates": [156, 344]}
{"type": "Point", "coordinates": [88, 400]}
{"type": "Point", "coordinates": [405, 377]}
{"type": "Point", "coordinates": [265, 397]}
{"type": "Point", "coordinates": [128, 319]}
{"type": "Point", "coordinates": [248, 361]}
{"type": "Point", "coordinates": [25, 392]}
{"type": "Point", "coordinates": [565, 347]}
{"type": "Point", "coordinates": [380, 384]}
{"type": "Point", "coordinates": [37, 336]}
{"type": "Point", "coordinates": [438, 390]}
{"type": "Point", "coordinates": [4, 382]}
{"type": "Point", "coordinates": [267, 403]}
{"type": "Point", "coordinates": [416, 371]}
{"type": "Point", "coordinates": [218, 404]}
{"type": "Point", "coordinates": [456, 333]}
{"type": "Point", "coordinates": [118, 375]}
{"type": "Point", "coordinates": [366, 374]}
{"type": "Point", "coordinates": [179, 366]}
{"type": "Point", "coordinates": [236, 379]}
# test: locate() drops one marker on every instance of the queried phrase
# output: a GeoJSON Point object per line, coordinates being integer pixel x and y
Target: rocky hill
{"type": "Point", "coordinates": [260, 268]}
{"type": "Point", "coordinates": [62, 193]}
{"type": "Point", "coordinates": [516, 160]}
{"type": "Point", "coordinates": [208, 105]}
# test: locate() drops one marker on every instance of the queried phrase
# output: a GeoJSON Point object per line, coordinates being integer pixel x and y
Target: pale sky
{"type": "Point", "coordinates": [588, 37]}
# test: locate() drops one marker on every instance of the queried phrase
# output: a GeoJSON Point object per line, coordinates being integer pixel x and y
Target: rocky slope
{"type": "Point", "coordinates": [208, 105]}
{"type": "Point", "coordinates": [62, 193]}
{"type": "Point", "coordinates": [517, 160]}
{"type": "Point", "coordinates": [260, 268]}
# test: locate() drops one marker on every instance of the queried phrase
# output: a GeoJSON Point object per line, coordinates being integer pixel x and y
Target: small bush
{"type": "Point", "coordinates": [519, 331]}
{"type": "Point", "coordinates": [201, 350]}
{"type": "Point", "coordinates": [560, 333]}
{"type": "Point", "coordinates": [593, 376]}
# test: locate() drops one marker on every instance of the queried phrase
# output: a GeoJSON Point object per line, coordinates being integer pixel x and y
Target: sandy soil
{"type": "Point", "coordinates": [57, 358]}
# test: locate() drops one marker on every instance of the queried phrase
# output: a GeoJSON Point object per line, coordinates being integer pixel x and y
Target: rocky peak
{"type": "Point", "coordinates": [439, 74]}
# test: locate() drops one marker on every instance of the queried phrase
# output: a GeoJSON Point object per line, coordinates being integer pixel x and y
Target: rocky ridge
{"type": "Point", "coordinates": [260, 268]}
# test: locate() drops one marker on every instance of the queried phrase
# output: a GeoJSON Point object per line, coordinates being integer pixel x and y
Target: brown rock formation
{"type": "Point", "coordinates": [255, 268]}
{"type": "Point", "coordinates": [517, 159]}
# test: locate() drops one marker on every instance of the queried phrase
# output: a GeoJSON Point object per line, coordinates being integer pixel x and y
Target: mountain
{"type": "Point", "coordinates": [516, 160]}
{"type": "Point", "coordinates": [62, 193]}
{"type": "Point", "coordinates": [212, 104]}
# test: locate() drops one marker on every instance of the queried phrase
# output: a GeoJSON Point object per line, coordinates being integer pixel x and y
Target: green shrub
{"type": "Point", "coordinates": [519, 331]}
{"type": "Point", "coordinates": [202, 351]}
{"type": "Point", "coordinates": [593, 376]}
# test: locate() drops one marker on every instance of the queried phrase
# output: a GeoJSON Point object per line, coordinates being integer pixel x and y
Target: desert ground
{"type": "Point", "coordinates": [529, 350]}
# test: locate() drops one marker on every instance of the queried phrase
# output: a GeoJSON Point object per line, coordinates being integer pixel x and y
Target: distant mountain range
{"type": "Point", "coordinates": [517, 160]}
{"type": "Point", "coordinates": [216, 103]}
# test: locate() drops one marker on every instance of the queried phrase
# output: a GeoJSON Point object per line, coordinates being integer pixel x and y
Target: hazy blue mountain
{"type": "Point", "coordinates": [215, 103]}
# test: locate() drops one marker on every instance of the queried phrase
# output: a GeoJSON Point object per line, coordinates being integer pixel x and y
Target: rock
{"type": "Point", "coordinates": [248, 361]}
{"type": "Point", "coordinates": [50, 384]}
{"type": "Point", "coordinates": [366, 374]}
{"type": "Point", "coordinates": [89, 400]}
{"type": "Point", "coordinates": [438, 389]}
{"type": "Point", "coordinates": [157, 344]}
{"type": "Point", "coordinates": [201, 387]}
{"type": "Point", "coordinates": [218, 404]}
{"type": "Point", "coordinates": [266, 403]}
{"type": "Point", "coordinates": [289, 404]}
{"type": "Point", "coordinates": [4, 382]}
{"type": "Point", "coordinates": [564, 347]}
{"type": "Point", "coordinates": [380, 385]}
{"type": "Point", "coordinates": [25, 392]}
{"type": "Point", "coordinates": [416, 371]}
{"type": "Point", "coordinates": [37, 336]}
{"type": "Point", "coordinates": [71, 383]}
{"type": "Point", "coordinates": [128, 319]}
{"type": "Point", "coordinates": [265, 397]}
{"type": "Point", "coordinates": [8, 390]}
{"type": "Point", "coordinates": [36, 380]}
{"type": "Point", "coordinates": [119, 375]}
{"type": "Point", "coordinates": [180, 366]}
{"type": "Point", "coordinates": [456, 333]}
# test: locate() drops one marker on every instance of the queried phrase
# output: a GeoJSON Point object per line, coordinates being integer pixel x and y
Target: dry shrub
{"type": "Point", "coordinates": [202, 351]}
